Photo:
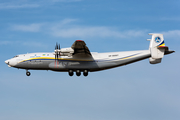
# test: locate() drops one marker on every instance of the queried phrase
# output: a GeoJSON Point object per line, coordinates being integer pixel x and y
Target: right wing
{"type": "Point", "coordinates": [80, 47]}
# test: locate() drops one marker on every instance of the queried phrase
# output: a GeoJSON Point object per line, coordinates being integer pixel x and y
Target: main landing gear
{"type": "Point", "coordinates": [71, 72]}
{"type": "Point", "coordinates": [78, 72]}
{"type": "Point", "coordinates": [28, 73]}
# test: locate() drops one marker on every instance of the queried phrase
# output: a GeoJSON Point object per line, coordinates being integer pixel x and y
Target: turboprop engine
{"type": "Point", "coordinates": [62, 52]}
{"type": "Point", "coordinates": [66, 51]}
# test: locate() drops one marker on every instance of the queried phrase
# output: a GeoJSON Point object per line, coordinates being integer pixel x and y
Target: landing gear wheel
{"type": "Point", "coordinates": [28, 73]}
{"type": "Point", "coordinates": [71, 73]}
{"type": "Point", "coordinates": [85, 73]}
{"type": "Point", "coordinates": [78, 72]}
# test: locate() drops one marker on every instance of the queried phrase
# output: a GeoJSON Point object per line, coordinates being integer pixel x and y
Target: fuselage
{"type": "Point", "coordinates": [78, 58]}
{"type": "Point", "coordinates": [97, 62]}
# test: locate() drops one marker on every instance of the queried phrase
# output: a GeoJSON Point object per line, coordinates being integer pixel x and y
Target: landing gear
{"type": "Point", "coordinates": [28, 73]}
{"type": "Point", "coordinates": [85, 73]}
{"type": "Point", "coordinates": [71, 73]}
{"type": "Point", "coordinates": [78, 72]}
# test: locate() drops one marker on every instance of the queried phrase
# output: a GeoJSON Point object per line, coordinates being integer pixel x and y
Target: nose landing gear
{"type": "Point", "coordinates": [28, 73]}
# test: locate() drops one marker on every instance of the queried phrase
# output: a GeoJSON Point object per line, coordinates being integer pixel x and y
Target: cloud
{"type": "Point", "coordinates": [24, 43]}
{"type": "Point", "coordinates": [27, 28]}
{"type": "Point", "coordinates": [66, 0]}
{"type": "Point", "coordinates": [19, 4]}
{"type": "Point", "coordinates": [34, 44]}
{"type": "Point", "coordinates": [170, 18]}
{"type": "Point", "coordinates": [5, 42]}
{"type": "Point", "coordinates": [16, 6]}
{"type": "Point", "coordinates": [173, 34]}
{"type": "Point", "coordinates": [94, 31]}
{"type": "Point", "coordinates": [67, 28]}
{"type": "Point", "coordinates": [66, 22]}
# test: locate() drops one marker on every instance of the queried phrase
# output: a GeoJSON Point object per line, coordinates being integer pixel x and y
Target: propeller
{"type": "Point", "coordinates": [57, 52]}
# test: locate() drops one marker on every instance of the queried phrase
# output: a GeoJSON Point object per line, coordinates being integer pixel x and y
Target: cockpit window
{"type": "Point", "coordinates": [16, 56]}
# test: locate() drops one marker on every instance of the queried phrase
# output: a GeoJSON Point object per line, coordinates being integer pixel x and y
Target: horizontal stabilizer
{"type": "Point", "coordinates": [168, 52]}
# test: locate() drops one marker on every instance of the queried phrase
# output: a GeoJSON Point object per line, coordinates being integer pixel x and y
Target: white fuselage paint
{"type": "Point", "coordinates": [97, 62]}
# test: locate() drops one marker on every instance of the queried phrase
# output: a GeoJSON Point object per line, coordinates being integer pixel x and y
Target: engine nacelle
{"type": "Point", "coordinates": [154, 61]}
{"type": "Point", "coordinates": [66, 51]}
{"type": "Point", "coordinates": [66, 54]}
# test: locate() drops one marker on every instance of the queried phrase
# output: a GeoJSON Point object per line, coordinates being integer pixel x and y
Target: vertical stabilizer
{"type": "Point", "coordinates": [156, 40]}
{"type": "Point", "coordinates": [157, 46]}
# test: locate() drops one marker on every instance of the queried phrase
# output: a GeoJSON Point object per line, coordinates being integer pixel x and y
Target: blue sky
{"type": "Point", "coordinates": [139, 91]}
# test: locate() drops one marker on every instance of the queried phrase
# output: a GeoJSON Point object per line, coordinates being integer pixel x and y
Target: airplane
{"type": "Point", "coordinates": [78, 58]}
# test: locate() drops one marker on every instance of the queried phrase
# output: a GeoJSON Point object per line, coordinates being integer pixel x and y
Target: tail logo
{"type": "Point", "coordinates": [157, 39]}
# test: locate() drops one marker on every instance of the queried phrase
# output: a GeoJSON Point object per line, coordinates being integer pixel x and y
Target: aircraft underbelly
{"type": "Point", "coordinates": [120, 62]}
{"type": "Point", "coordinates": [34, 65]}
{"type": "Point", "coordinates": [72, 65]}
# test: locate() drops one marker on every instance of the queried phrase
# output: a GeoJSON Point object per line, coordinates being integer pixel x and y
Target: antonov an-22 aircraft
{"type": "Point", "coordinates": [78, 58]}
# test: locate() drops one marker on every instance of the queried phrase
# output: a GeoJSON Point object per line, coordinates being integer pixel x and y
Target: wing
{"type": "Point", "coordinates": [80, 47]}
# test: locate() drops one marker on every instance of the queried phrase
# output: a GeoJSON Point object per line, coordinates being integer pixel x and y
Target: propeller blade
{"type": "Point", "coordinates": [57, 54]}
{"type": "Point", "coordinates": [56, 47]}
{"type": "Point", "coordinates": [55, 61]}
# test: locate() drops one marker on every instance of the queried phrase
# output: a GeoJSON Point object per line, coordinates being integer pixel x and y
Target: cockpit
{"type": "Point", "coordinates": [16, 56]}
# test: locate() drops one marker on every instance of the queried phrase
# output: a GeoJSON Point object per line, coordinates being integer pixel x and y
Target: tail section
{"type": "Point", "coordinates": [156, 40]}
{"type": "Point", "coordinates": [157, 48]}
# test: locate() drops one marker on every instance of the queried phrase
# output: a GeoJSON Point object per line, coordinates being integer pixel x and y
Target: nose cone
{"type": "Point", "coordinates": [7, 62]}
{"type": "Point", "coordinates": [10, 62]}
